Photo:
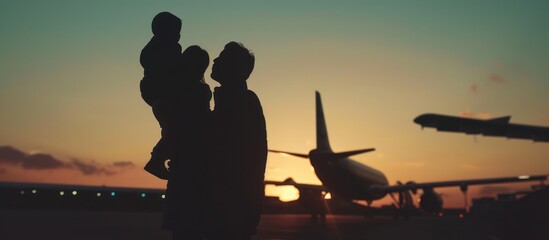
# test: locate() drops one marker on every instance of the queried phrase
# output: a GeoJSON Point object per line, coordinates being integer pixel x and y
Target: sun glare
{"type": "Point", "coordinates": [288, 193]}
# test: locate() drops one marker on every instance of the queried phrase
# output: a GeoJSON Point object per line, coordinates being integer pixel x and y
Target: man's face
{"type": "Point", "coordinates": [221, 68]}
{"type": "Point", "coordinates": [218, 68]}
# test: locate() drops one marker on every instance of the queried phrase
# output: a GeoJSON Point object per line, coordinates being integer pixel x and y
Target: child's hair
{"type": "Point", "coordinates": [196, 60]}
{"type": "Point", "coordinates": [166, 24]}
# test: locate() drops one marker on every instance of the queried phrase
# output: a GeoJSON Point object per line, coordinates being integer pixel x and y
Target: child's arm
{"type": "Point", "coordinates": [147, 88]}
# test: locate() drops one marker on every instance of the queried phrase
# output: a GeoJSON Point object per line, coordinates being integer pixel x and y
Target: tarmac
{"type": "Point", "coordinates": [84, 225]}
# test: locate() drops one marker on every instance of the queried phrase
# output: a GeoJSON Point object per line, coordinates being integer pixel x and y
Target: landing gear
{"type": "Point", "coordinates": [404, 206]}
{"type": "Point", "coordinates": [463, 189]}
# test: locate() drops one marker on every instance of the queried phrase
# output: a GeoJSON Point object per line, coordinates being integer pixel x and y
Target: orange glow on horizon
{"type": "Point", "coordinates": [284, 193]}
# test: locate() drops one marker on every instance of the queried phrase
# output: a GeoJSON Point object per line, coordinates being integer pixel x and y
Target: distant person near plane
{"type": "Point", "coordinates": [496, 127]}
{"type": "Point", "coordinates": [238, 166]}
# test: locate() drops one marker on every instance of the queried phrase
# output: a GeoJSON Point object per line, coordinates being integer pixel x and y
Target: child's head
{"type": "Point", "coordinates": [196, 61]}
{"type": "Point", "coordinates": [166, 24]}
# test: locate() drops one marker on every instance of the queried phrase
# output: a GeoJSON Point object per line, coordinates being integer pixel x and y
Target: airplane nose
{"type": "Point", "coordinates": [420, 119]}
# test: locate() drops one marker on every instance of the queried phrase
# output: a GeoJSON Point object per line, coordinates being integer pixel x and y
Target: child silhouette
{"type": "Point", "coordinates": [169, 85]}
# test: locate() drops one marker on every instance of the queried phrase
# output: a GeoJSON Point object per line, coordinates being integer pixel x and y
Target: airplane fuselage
{"type": "Point", "coordinates": [347, 178]}
{"type": "Point", "coordinates": [495, 127]}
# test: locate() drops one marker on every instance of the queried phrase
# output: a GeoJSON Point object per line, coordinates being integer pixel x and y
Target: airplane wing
{"type": "Point", "coordinates": [496, 127]}
{"type": "Point", "coordinates": [301, 155]}
{"type": "Point", "coordinates": [291, 182]}
{"type": "Point", "coordinates": [458, 183]}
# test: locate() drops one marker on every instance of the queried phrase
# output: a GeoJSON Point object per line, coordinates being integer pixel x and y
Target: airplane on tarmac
{"type": "Point", "coordinates": [495, 127]}
{"type": "Point", "coordinates": [350, 180]}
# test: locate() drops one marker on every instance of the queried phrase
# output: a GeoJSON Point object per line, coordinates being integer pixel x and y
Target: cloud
{"type": "Point", "coordinates": [496, 78]}
{"type": "Point", "coordinates": [474, 88]}
{"type": "Point", "coordinates": [123, 164]}
{"type": "Point", "coordinates": [12, 156]}
{"type": "Point", "coordinates": [3, 170]}
{"type": "Point", "coordinates": [90, 168]}
{"type": "Point", "coordinates": [41, 161]}
{"type": "Point", "coordinates": [93, 168]}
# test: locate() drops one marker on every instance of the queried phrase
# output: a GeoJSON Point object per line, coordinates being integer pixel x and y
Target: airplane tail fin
{"type": "Point", "coordinates": [322, 142]}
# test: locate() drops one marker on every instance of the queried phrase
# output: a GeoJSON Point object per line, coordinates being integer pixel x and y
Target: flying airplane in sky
{"type": "Point", "coordinates": [496, 127]}
{"type": "Point", "coordinates": [347, 179]}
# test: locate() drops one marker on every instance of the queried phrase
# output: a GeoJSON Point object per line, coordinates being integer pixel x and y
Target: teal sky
{"type": "Point", "coordinates": [70, 75]}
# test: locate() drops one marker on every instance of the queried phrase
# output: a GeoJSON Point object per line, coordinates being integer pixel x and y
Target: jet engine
{"type": "Point", "coordinates": [430, 201]}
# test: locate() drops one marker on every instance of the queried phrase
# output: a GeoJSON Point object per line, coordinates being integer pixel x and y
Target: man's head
{"type": "Point", "coordinates": [166, 24]}
{"type": "Point", "coordinates": [234, 65]}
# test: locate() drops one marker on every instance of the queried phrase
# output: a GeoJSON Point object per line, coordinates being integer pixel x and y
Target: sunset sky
{"type": "Point", "coordinates": [71, 111]}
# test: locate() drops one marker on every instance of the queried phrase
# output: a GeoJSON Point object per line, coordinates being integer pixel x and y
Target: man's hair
{"type": "Point", "coordinates": [166, 24]}
{"type": "Point", "coordinates": [243, 58]}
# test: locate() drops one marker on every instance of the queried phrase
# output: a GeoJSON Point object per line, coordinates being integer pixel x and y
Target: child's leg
{"type": "Point", "coordinates": [164, 149]}
{"type": "Point", "coordinates": [166, 118]}
{"type": "Point", "coordinates": [159, 155]}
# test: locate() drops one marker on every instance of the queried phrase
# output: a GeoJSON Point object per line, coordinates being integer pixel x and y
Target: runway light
{"type": "Point", "coordinates": [440, 214]}
{"type": "Point", "coordinates": [74, 193]}
{"type": "Point", "coordinates": [61, 193]}
{"type": "Point", "coordinates": [22, 192]}
{"type": "Point", "coordinates": [163, 196]}
{"type": "Point", "coordinates": [33, 191]}
{"type": "Point", "coordinates": [461, 215]}
{"type": "Point", "coordinates": [143, 195]}
{"type": "Point", "coordinates": [113, 194]}
{"type": "Point", "coordinates": [99, 194]}
{"type": "Point", "coordinates": [524, 177]}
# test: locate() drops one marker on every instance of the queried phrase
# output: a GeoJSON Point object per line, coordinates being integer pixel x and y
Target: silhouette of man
{"type": "Point", "coordinates": [237, 166]}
